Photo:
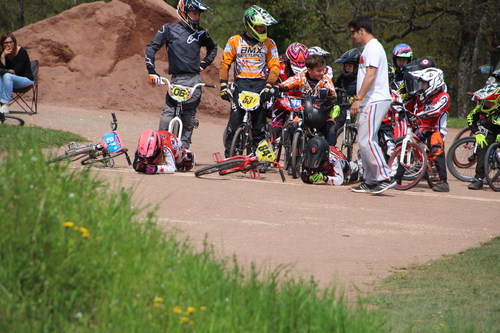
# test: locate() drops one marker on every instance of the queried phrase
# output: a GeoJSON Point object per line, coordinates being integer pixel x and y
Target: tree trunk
{"type": "Point", "coordinates": [464, 72]}
{"type": "Point", "coordinates": [20, 14]}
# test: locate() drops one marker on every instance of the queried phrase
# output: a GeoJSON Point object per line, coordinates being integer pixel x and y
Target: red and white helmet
{"type": "Point", "coordinates": [150, 145]}
{"type": "Point", "coordinates": [433, 76]}
{"type": "Point", "coordinates": [297, 54]}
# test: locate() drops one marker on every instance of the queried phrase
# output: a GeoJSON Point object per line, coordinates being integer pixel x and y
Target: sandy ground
{"type": "Point", "coordinates": [325, 231]}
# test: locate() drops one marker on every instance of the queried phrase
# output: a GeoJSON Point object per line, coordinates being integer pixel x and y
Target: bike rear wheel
{"type": "Point", "coordinates": [492, 166]}
{"type": "Point", "coordinates": [104, 157]}
{"type": "Point", "coordinates": [174, 127]}
{"type": "Point", "coordinates": [219, 167]}
{"type": "Point", "coordinates": [347, 146]}
{"type": "Point", "coordinates": [462, 158]}
{"type": "Point", "coordinates": [72, 155]}
{"type": "Point", "coordinates": [297, 153]}
{"type": "Point", "coordinates": [11, 120]}
{"type": "Point", "coordinates": [410, 166]}
{"type": "Point", "coordinates": [241, 141]}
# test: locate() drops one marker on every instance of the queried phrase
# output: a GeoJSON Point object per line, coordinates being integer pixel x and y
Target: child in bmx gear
{"type": "Point", "coordinates": [183, 41]}
{"type": "Point", "coordinates": [401, 55]}
{"type": "Point", "coordinates": [325, 163]}
{"type": "Point", "coordinates": [161, 152]}
{"type": "Point", "coordinates": [432, 105]}
{"type": "Point", "coordinates": [256, 69]}
{"type": "Point", "coordinates": [310, 83]}
{"type": "Point", "coordinates": [490, 105]}
{"type": "Point", "coordinates": [346, 81]}
{"type": "Point", "coordinates": [294, 61]}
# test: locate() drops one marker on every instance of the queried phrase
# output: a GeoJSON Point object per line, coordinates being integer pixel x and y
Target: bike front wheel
{"type": "Point", "coordinates": [175, 127]}
{"type": "Point", "coordinates": [219, 167]}
{"type": "Point", "coordinates": [241, 141]}
{"type": "Point", "coordinates": [462, 158]}
{"type": "Point", "coordinates": [11, 120]}
{"type": "Point", "coordinates": [104, 157]}
{"type": "Point", "coordinates": [409, 167]}
{"type": "Point", "coordinates": [348, 140]}
{"type": "Point", "coordinates": [297, 153]}
{"type": "Point", "coordinates": [492, 166]}
{"type": "Point", "coordinates": [464, 132]}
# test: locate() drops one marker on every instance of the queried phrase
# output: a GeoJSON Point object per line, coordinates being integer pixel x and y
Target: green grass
{"type": "Point", "coordinates": [456, 122]}
{"type": "Point", "coordinates": [458, 293]}
{"type": "Point", "coordinates": [16, 136]}
{"type": "Point", "coordinates": [74, 257]}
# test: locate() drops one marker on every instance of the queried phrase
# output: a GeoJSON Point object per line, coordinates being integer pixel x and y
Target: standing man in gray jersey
{"type": "Point", "coordinates": [183, 42]}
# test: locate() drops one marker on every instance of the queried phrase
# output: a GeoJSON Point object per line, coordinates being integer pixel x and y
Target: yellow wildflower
{"type": "Point", "coordinates": [158, 299]}
{"type": "Point", "coordinates": [190, 310]}
{"type": "Point", "coordinates": [68, 224]}
{"type": "Point", "coordinates": [203, 308]}
{"type": "Point", "coordinates": [157, 305]}
{"type": "Point", "coordinates": [85, 234]}
{"type": "Point", "coordinates": [440, 324]}
{"type": "Point", "coordinates": [177, 309]}
{"type": "Point", "coordinates": [83, 230]}
{"type": "Point", "coordinates": [184, 320]}
{"type": "Point", "coordinates": [75, 227]}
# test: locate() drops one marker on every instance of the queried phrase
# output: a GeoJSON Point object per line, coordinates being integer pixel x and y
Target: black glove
{"type": "Point", "coordinates": [224, 93]}
{"type": "Point", "coordinates": [267, 93]}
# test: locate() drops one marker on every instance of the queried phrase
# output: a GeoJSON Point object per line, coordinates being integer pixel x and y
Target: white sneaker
{"type": "Point", "coordinates": [4, 108]}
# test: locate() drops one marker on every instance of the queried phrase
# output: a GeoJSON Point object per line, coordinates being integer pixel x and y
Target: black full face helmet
{"type": "Point", "coordinates": [317, 153]}
{"type": "Point", "coordinates": [313, 117]}
{"type": "Point", "coordinates": [183, 8]}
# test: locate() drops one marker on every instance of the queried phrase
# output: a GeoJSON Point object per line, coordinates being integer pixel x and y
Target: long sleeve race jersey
{"type": "Point", "coordinates": [335, 169]}
{"type": "Point", "coordinates": [183, 48]}
{"type": "Point", "coordinates": [307, 87]}
{"type": "Point", "coordinates": [433, 111]}
{"type": "Point", "coordinates": [253, 60]}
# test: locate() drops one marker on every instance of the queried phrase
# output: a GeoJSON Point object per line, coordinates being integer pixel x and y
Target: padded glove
{"type": "Point", "coordinates": [154, 79]}
{"type": "Point", "coordinates": [498, 138]}
{"type": "Point", "coordinates": [224, 93]}
{"type": "Point", "coordinates": [267, 93]}
{"type": "Point", "coordinates": [481, 140]}
{"type": "Point", "coordinates": [151, 168]}
{"type": "Point", "coordinates": [203, 66]}
{"type": "Point", "coordinates": [316, 177]}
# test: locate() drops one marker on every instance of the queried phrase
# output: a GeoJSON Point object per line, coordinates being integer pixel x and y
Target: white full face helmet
{"type": "Point", "coordinates": [433, 76]}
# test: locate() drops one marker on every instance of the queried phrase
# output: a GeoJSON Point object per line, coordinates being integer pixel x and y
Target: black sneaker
{"type": "Point", "coordinates": [384, 186]}
{"type": "Point", "coordinates": [363, 188]}
{"type": "Point", "coordinates": [476, 184]}
{"type": "Point", "coordinates": [442, 187]}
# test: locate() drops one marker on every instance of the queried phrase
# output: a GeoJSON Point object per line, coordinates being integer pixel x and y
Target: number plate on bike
{"type": "Point", "coordinates": [265, 152]}
{"type": "Point", "coordinates": [180, 93]}
{"type": "Point", "coordinates": [249, 100]}
{"type": "Point", "coordinates": [112, 142]}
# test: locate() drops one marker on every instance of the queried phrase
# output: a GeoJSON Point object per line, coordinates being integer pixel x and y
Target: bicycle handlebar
{"type": "Point", "coordinates": [165, 81]}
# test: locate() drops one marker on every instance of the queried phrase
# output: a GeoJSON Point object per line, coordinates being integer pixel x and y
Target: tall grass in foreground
{"type": "Point", "coordinates": [73, 258]}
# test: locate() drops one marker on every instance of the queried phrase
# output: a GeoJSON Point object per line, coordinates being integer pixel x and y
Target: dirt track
{"type": "Point", "coordinates": [329, 232]}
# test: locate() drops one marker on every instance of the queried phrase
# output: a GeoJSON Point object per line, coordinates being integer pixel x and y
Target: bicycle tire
{"type": "Point", "coordinates": [11, 120]}
{"type": "Point", "coordinates": [431, 175]}
{"type": "Point", "coordinates": [414, 171]}
{"type": "Point", "coordinates": [272, 139]}
{"type": "Point", "coordinates": [286, 143]}
{"type": "Point", "coordinates": [72, 155]}
{"type": "Point", "coordinates": [492, 166]}
{"type": "Point", "coordinates": [463, 133]}
{"type": "Point", "coordinates": [297, 153]}
{"type": "Point", "coordinates": [220, 166]}
{"type": "Point", "coordinates": [347, 145]}
{"type": "Point", "coordinates": [103, 157]}
{"type": "Point", "coordinates": [461, 159]}
{"type": "Point", "coordinates": [240, 142]}
{"type": "Point", "coordinates": [174, 127]}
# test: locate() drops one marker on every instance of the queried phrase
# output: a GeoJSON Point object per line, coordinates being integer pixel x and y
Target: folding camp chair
{"type": "Point", "coordinates": [22, 97]}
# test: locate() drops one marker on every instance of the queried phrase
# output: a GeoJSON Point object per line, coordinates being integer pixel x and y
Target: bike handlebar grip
{"type": "Point", "coordinates": [114, 116]}
{"type": "Point", "coordinates": [210, 86]}
{"type": "Point", "coordinates": [282, 174]}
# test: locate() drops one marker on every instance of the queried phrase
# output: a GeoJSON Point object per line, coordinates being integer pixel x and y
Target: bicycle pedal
{"type": "Point", "coordinates": [217, 157]}
{"type": "Point", "coordinates": [254, 174]}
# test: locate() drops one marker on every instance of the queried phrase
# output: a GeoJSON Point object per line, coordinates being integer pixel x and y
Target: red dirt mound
{"type": "Point", "coordinates": [92, 56]}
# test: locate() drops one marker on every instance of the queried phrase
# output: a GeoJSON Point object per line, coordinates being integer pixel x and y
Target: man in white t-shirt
{"type": "Point", "coordinates": [372, 102]}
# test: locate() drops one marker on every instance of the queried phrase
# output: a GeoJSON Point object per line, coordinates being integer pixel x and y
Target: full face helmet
{"type": "Point", "coordinates": [318, 50]}
{"type": "Point", "coordinates": [490, 95]}
{"type": "Point", "coordinates": [183, 8]}
{"type": "Point", "coordinates": [257, 16]}
{"type": "Point", "coordinates": [350, 57]}
{"type": "Point", "coordinates": [433, 76]}
{"type": "Point", "coordinates": [150, 145]}
{"type": "Point", "coordinates": [401, 51]}
{"type": "Point", "coordinates": [313, 117]}
{"type": "Point", "coordinates": [297, 54]}
{"type": "Point", "coordinates": [317, 153]}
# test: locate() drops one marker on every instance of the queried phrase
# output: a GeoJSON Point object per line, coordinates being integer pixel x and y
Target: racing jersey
{"type": "Point", "coordinates": [183, 48]}
{"type": "Point", "coordinates": [335, 169]}
{"type": "Point", "coordinates": [433, 112]}
{"type": "Point", "coordinates": [307, 87]}
{"type": "Point", "coordinates": [253, 59]}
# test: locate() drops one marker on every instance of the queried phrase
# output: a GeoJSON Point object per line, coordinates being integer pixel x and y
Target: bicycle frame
{"type": "Point", "coordinates": [249, 165]}
{"type": "Point", "coordinates": [180, 94]}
